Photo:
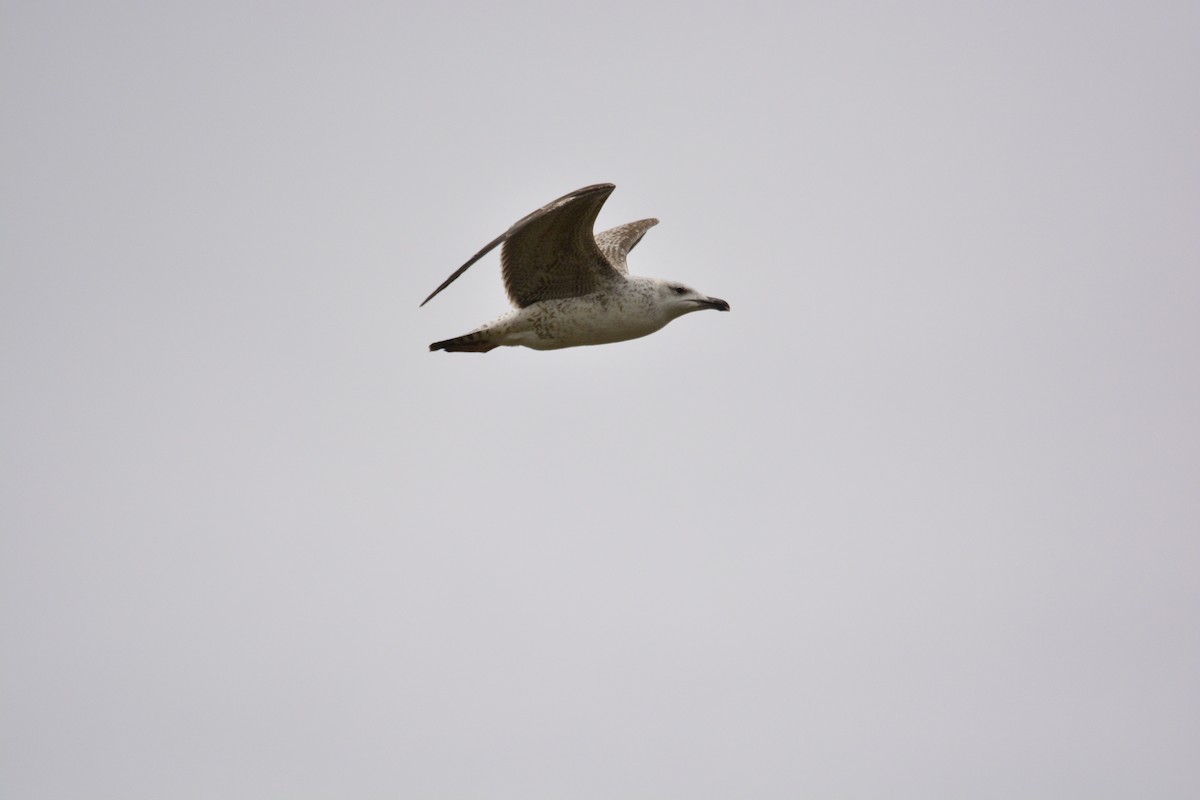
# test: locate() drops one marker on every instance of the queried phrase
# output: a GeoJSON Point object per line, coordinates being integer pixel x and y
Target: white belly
{"type": "Point", "coordinates": [579, 321]}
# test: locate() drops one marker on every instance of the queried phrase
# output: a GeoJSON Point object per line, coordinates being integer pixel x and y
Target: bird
{"type": "Point", "coordinates": [571, 287]}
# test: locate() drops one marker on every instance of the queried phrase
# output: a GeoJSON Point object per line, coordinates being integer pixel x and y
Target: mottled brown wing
{"type": "Point", "coordinates": [551, 252]}
{"type": "Point", "coordinates": [615, 243]}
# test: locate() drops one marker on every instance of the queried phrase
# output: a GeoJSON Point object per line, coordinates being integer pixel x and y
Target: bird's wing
{"type": "Point", "coordinates": [616, 242]}
{"type": "Point", "coordinates": [552, 252]}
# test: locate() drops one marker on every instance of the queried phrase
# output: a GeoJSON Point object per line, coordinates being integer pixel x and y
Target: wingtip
{"type": "Point", "coordinates": [595, 187]}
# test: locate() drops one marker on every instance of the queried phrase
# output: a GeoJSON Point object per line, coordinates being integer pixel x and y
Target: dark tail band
{"type": "Point", "coordinates": [470, 343]}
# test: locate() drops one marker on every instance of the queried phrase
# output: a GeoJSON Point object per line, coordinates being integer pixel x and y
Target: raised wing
{"type": "Point", "coordinates": [552, 252]}
{"type": "Point", "coordinates": [615, 243]}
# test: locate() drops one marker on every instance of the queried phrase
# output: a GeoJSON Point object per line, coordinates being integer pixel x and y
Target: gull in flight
{"type": "Point", "coordinates": [571, 287]}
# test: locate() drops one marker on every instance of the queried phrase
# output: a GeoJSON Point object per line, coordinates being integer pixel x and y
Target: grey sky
{"type": "Point", "coordinates": [917, 519]}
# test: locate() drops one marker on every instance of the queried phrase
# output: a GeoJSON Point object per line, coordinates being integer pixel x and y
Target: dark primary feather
{"type": "Point", "coordinates": [552, 252]}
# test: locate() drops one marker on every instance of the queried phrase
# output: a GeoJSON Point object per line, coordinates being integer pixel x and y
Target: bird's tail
{"type": "Point", "coordinates": [476, 342]}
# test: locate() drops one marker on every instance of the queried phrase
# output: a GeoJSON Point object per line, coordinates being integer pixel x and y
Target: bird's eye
{"type": "Point", "coordinates": [680, 290]}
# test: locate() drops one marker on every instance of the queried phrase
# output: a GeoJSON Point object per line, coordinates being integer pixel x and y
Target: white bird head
{"type": "Point", "coordinates": [678, 299]}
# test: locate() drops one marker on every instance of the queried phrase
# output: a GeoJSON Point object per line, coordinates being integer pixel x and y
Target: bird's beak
{"type": "Point", "coordinates": [714, 302]}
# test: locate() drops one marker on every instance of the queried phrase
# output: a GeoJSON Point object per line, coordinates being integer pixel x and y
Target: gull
{"type": "Point", "coordinates": [571, 287]}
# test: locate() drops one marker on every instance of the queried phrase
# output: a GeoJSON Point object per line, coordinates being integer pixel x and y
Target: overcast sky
{"type": "Point", "coordinates": [919, 518]}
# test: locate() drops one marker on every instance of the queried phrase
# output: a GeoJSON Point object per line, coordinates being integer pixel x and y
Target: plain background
{"type": "Point", "coordinates": [920, 518]}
